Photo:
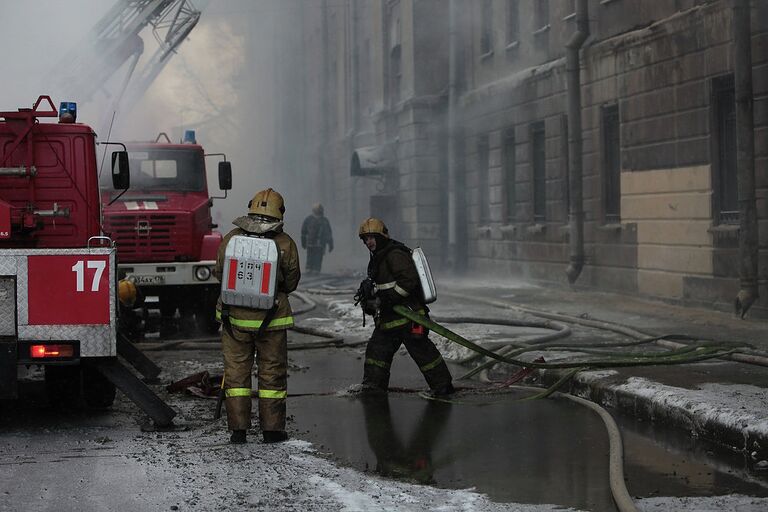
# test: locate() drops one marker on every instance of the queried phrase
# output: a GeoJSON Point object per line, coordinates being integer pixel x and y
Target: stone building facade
{"type": "Point", "coordinates": [657, 97]}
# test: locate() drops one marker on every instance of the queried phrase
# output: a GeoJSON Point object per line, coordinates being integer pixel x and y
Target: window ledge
{"type": "Point", "coordinates": [606, 2]}
{"type": "Point", "coordinates": [483, 231]}
{"type": "Point", "coordinates": [508, 230]}
{"type": "Point", "coordinates": [613, 226]}
{"type": "Point", "coordinates": [570, 17]}
{"type": "Point", "coordinates": [533, 229]}
{"type": "Point", "coordinates": [724, 229]}
{"type": "Point", "coordinates": [486, 55]}
{"type": "Point", "coordinates": [511, 46]}
{"type": "Point", "coordinates": [541, 30]}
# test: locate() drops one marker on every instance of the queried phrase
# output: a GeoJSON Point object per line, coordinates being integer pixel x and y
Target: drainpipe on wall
{"type": "Point", "coordinates": [576, 213]}
{"type": "Point", "coordinates": [456, 225]}
{"type": "Point", "coordinates": [745, 158]}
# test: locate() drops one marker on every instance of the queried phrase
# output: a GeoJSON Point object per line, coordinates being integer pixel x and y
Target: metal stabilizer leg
{"type": "Point", "coordinates": [144, 365]}
{"type": "Point", "coordinates": [160, 412]}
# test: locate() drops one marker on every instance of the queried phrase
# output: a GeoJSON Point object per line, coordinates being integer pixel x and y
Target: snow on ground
{"type": "Point", "coordinates": [202, 472]}
{"type": "Point", "coordinates": [729, 503]}
{"type": "Point", "coordinates": [732, 405]}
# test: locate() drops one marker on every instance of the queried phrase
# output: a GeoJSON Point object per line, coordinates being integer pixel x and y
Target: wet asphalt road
{"type": "Point", "coordinates": [547, 451]}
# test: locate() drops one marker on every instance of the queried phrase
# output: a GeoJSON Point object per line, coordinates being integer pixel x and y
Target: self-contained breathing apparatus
{"type": "Point", "coordinates": [366, 295]}
{"type": "Point", "coordinates": [249, 278]}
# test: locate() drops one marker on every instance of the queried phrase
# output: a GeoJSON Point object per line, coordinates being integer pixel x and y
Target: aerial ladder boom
{"type": "Point", "coordinates": [115, 41]}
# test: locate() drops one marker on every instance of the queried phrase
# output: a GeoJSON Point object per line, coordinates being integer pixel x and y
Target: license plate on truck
{"type": "Point", "coordinates": [149, 280]}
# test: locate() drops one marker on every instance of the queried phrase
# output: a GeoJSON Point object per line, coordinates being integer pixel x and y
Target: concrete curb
{"type": "Point", "coordinates": [740, 431]}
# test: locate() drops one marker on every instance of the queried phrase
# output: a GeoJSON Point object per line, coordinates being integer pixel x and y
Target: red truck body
{"type": "Point", "coordinates": [57, 273]}
{"type": "Point", "coordinates": [164, 232]}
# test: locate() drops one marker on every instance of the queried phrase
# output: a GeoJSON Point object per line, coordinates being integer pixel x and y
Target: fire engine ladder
{"type": "Point", "coordinates": [115, 40]}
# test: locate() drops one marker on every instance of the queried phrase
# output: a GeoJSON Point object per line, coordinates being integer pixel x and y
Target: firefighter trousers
{"type": "Point", "coordinates": [382, 347]}
{"type": "Point", "coordinates": [271, 353]}
{"type": "Point", "coordinates": [315, 258]}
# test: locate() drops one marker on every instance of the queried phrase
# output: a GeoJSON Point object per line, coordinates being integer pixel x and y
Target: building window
{"type": "Point", "coordinates": [541, 14]}
{"type": "Point", "coordinates": [509, 176]}
{"type": "Point", "coordinates": [566, 164]}
{"type": "Point", "coordinates": [539, 162]}
{"type": "Point", "coordinates": [486, 29]}
{"type": "Point", "coordinates": [483, 162]}
{"type": "Point", "coordinates": [611, 164]}
{"type": "Point", "coordinates": [513, 21]}
{"type": "Point", "coordinates": [394, 66]}
{"type": "Point", "coordinates": [395, 74]}
{"type": "Point", "coordinates": [726, 192]}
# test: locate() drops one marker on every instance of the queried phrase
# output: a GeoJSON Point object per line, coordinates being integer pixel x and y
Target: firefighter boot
{"type": "Point", "coordinates": [275, 436]}
{"type": "Point", "coordinates": [444, 391]}
{"type": "Point", "coordinates": [238, 437]}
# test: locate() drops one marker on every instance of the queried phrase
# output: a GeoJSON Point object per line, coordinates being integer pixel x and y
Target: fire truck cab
{"type": "Point", "coordinates": [163, 229]}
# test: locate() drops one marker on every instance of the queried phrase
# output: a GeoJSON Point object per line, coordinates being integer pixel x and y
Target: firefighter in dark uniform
{"type": "Point", "coordinates": [315, 235]}
{"type": "Point", "coordinates": [392, 279]}
{"type": "Point", "coordinates": [245, 335]}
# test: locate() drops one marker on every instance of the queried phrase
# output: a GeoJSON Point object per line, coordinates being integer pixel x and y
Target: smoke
{"type": "Point", "coordinates": [238, 80]}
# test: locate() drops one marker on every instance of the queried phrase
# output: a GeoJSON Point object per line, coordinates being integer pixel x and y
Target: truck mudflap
{"type": "Point", "coordinates": [7, 370]}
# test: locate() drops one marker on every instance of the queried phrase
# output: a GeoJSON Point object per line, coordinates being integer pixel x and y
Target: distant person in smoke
{"type": "Point", "coordinates": [315, 236]}
{"type": "Point", "coordinates": [393, 280]}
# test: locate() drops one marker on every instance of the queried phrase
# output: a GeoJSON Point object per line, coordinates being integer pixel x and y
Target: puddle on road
{"type": "Point", "coordinates": [547, 451]}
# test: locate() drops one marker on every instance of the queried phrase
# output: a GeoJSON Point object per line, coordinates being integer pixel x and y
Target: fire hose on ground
{"type": "Point", "coordinates": [685, 354]}
{"type": "Point", "coordinates": [605, 357]}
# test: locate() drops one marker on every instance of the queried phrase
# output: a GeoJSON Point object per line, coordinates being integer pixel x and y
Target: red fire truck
{"type": "Point", "coordinates": [163, 229]}
{"type": "Point", "coordinates": [58, 282]}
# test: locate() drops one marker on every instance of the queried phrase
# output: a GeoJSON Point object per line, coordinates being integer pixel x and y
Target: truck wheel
{"type": "Point", "coordinates": [205, 313]}
{"type": "Point", "coordinates": [98, 391]}
{"type": "Point", "coordinates": [206, 322]}
{"type": "Point", "coordinates": [62, 384]}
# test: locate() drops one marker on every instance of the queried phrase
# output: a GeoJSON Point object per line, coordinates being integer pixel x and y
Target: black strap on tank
{"type": "Point", "coordinates": [267, 318]}
{"type": "Point", "coordinates": [225, 320]}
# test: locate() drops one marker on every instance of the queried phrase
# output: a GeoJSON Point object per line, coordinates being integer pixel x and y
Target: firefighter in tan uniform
{"type": "Point", "coordinates": [392, 279]}
{"type": "Point", "coordinates": [244, 335]}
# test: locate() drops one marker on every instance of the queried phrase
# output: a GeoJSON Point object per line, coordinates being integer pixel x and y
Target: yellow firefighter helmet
{"type": "Point", "coordinates": [267, 202]}
{"type": "Point", "coordinates": [127, 293]}
{"type": "Point", "coordinates": [373, 226]}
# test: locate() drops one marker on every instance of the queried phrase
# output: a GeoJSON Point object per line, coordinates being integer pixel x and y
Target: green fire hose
{"type": "Point", "coordinates": [688, 354]}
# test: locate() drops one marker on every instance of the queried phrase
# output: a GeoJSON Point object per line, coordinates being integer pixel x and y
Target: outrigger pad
{"type": "Point", "coordinates": [160, 412]}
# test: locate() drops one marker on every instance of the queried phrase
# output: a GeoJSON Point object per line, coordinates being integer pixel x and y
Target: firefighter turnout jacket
{"type": "Point", "coordinates": [397, 282]}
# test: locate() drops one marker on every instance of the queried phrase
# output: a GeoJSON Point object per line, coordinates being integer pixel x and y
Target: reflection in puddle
{"type": "Point", "coordinates": [410, 456]}
{"type": "Point", "coordinates": [544, 452]}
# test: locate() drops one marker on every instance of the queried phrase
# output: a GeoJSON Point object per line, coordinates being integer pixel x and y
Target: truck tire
{"type": "Point", "coordinates": [98, 391]}
{"type": "Point", "coordinates": [205, 313]}
{"type": "Point", "coordinates": [62, 384]}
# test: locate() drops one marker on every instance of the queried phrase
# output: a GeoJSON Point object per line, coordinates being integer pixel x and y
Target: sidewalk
{"type": "Point", "coordinates": [722, 401]}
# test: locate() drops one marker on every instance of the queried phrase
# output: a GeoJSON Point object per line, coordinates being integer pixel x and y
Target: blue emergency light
{"type": "Point", "coordinates": [68, 107]}
{"type": "Point", "coordinates": [189, 137]}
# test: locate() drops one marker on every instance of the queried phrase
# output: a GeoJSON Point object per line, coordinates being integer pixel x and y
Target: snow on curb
{"type": "Point", "coordinates": [731, 414]}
